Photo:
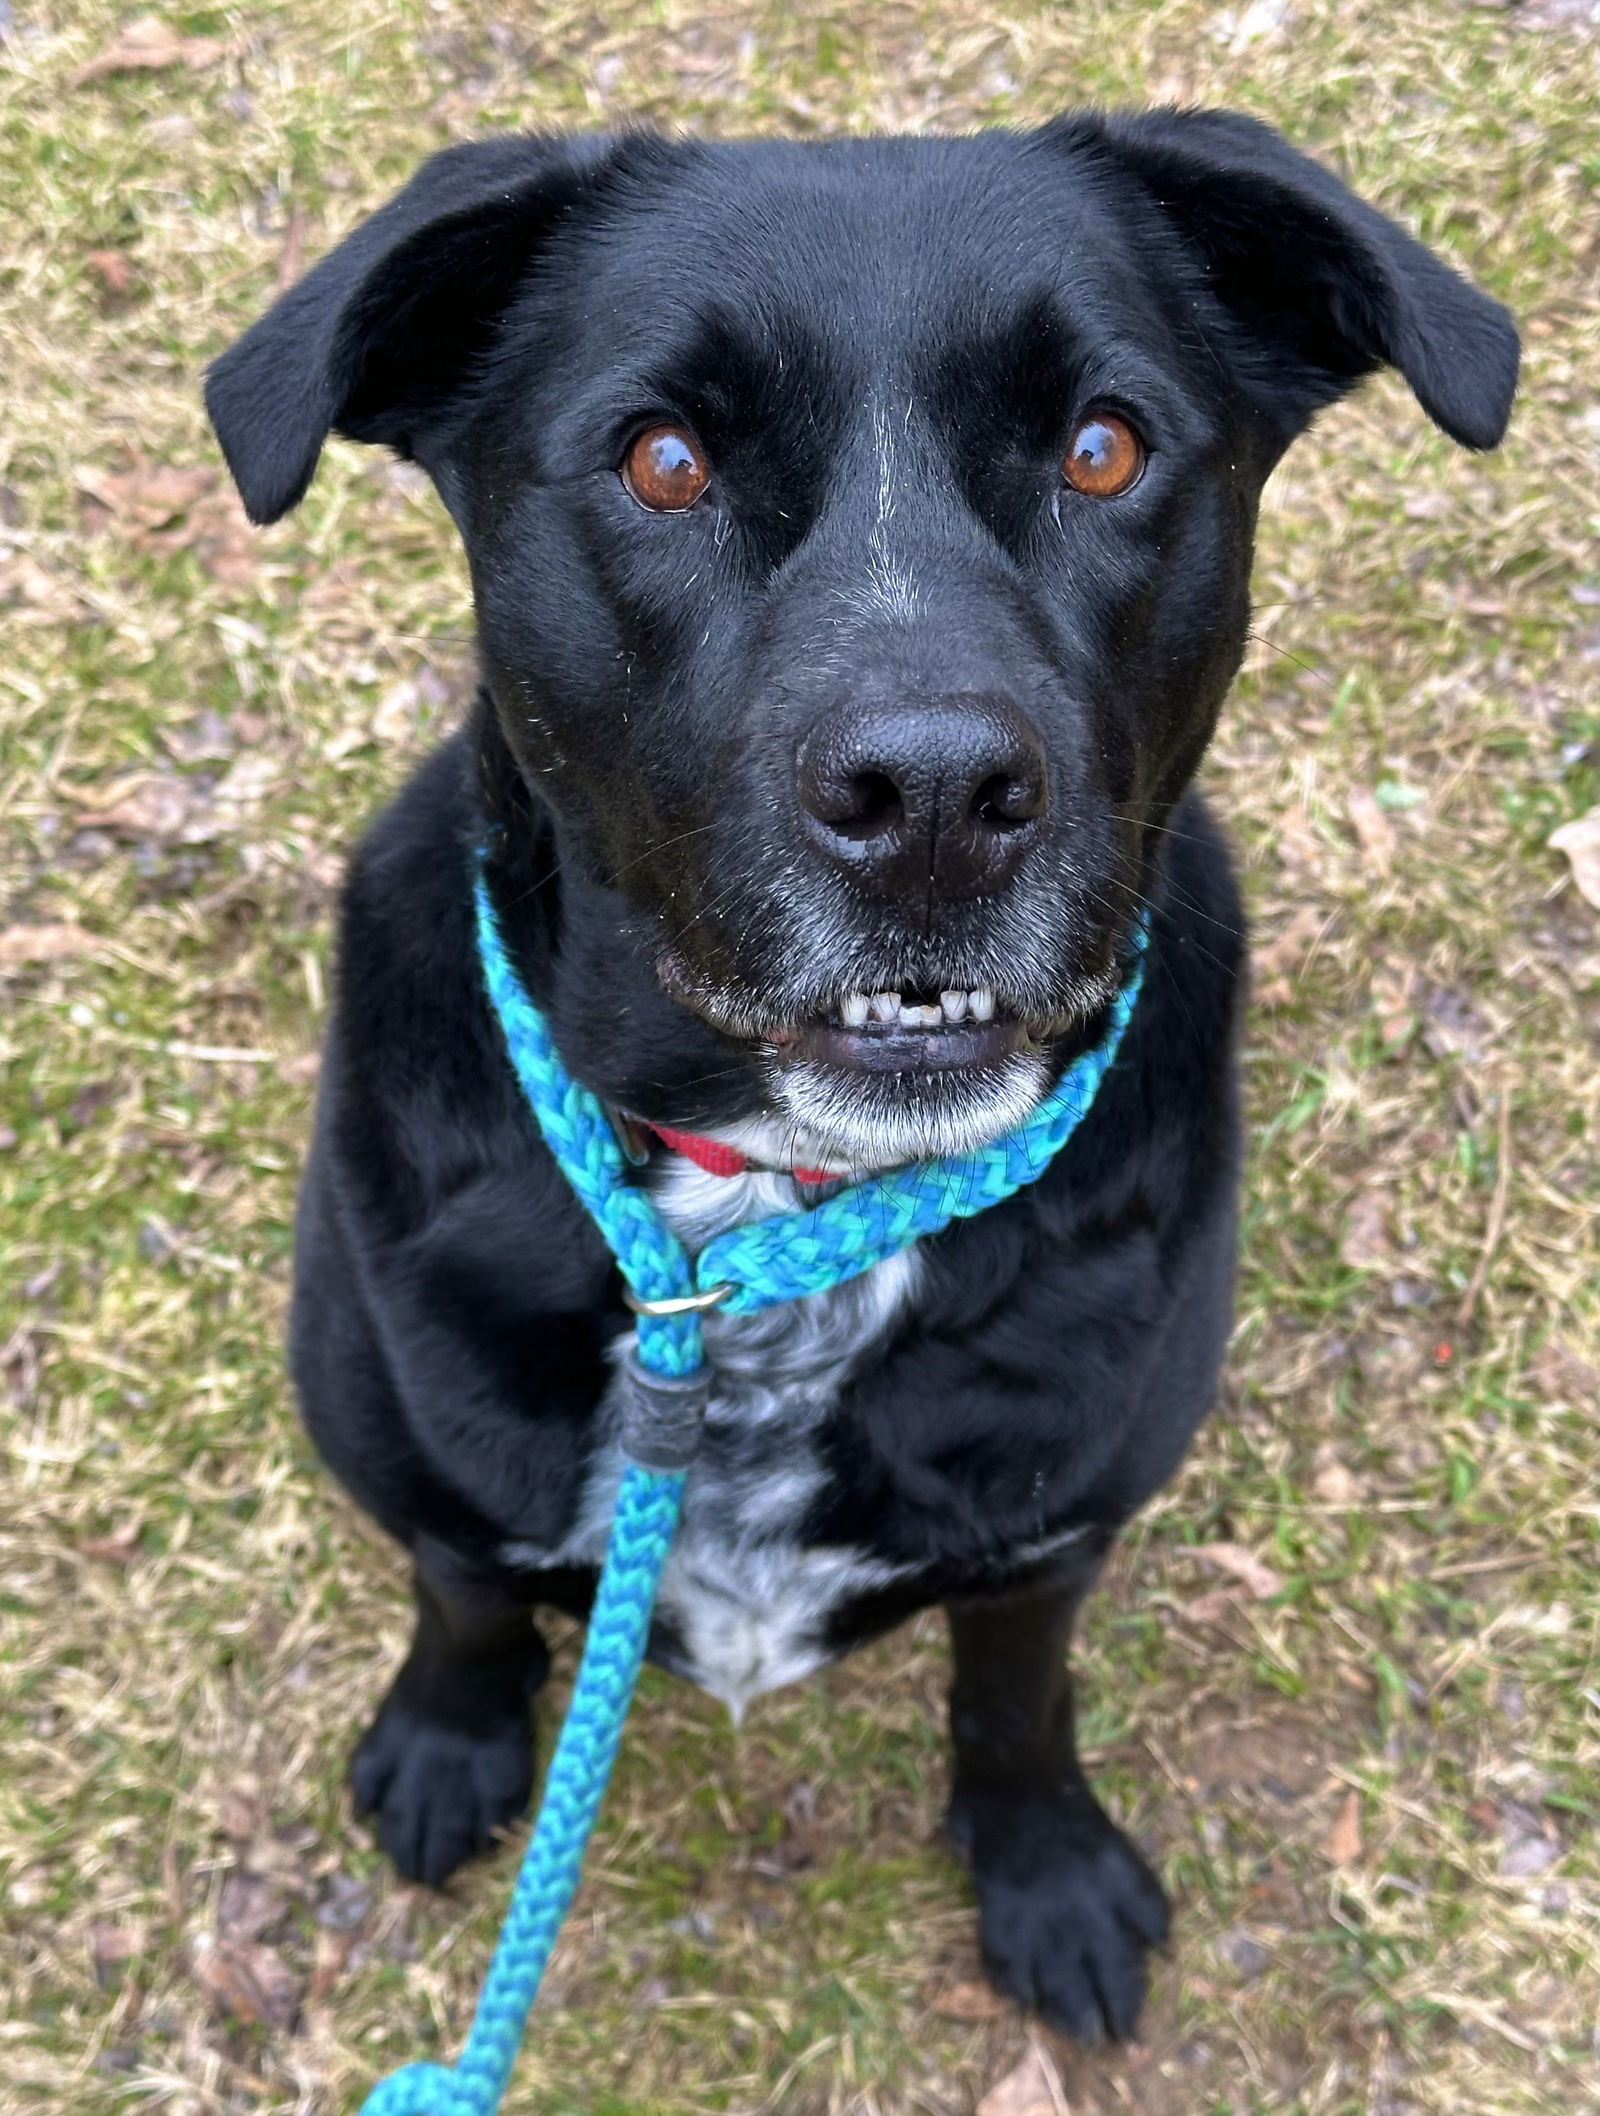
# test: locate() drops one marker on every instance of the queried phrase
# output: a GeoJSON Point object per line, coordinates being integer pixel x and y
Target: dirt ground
{"type": "Point", "coordinates": [1343, 1681]}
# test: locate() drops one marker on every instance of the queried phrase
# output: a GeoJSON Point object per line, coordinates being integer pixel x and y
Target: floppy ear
{"type": "Point", "coordinates": [1326, 287]}
{"type": "Point", "coordinates": [371, 341]}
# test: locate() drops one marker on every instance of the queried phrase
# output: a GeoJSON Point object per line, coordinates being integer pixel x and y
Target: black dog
{"type": "Point", "coordinates": [861, 536]}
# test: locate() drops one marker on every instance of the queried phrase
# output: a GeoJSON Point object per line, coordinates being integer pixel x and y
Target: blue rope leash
{"type": "Point", "coordinates": [746, 1269]}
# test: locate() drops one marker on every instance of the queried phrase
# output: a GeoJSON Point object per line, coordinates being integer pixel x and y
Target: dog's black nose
{"type": "Point", "coordinates": [941, 796]}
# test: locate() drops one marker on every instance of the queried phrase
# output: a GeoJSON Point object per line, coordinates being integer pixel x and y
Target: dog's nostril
{"type": "Point", "coordinates": [874, 806]}
{"type": "Point", "coordinates": [854, 799]}
{"type": "Point", "coordinates": [1006, 801]}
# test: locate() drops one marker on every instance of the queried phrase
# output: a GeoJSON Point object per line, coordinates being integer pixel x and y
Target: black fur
{"type": "Point", "coordinates": [884, 347]}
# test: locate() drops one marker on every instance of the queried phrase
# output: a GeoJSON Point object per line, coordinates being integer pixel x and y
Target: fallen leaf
{"type": "Point", "coordinates": [1242, 1564]}
{"type": "Point", "coordinates": [205, 739]}
{"type": "Point", "coordinates": [241, 1813]}
{"type": "Point", "coordinates": [251, 1905]}
{"type": "Point", "coordinates": [1299, 847]}
{"type": "Point", "coordinates": [387, 1936]}
{"type": "Point", "coordinates": [43, 599]}
{"type": "Point", "coordinates": [1032, 2089]}
{"type": "Point", "coordinates": [1288, 948]}
{"type": "Point", "coordinates": [247, 1980]}
{"type": "Point", "coordinates": [148, 45]}
{"type": "Point", "coordinates": [87, 1103]}
{"type": "Point", "coordinates": [247, 780]}
{"type": "Point", "coordinates": [1566, 1376]}
{"type": "Point", "coordinates": [1333, 1481]}
{"type": "Point", "coordinates": [109, 1944]}
{"type": "Point", "coordinates": [971, 2001]}
{"type": "Point", "coordinates": [1580, 841]}
{"type": "Point", "coordinates": [1530, 1842]}
{"type": "Point", "coordinates": [1344, 1839]}
{"type": "Point", "coordinates": [346, 1903]}
{"type": "Point", "coordinates": [1394, 1005]}
{"type": "Point", "coordinates": [162, 508]}
{"type": "Point", "coordinates": [1456, 1026]}
{"type": "Point", "coordinates": [333, 1952]}
{"type": "Point", "coordinates": [113, 271]}
{"type": "Point", "coordinates": [1364, 1244]}
{"type": "Point", "coordinates": [796, 1848]}
{"type": "Point", "coordinates": [326, 869]}
{"type": "Point", "coordinates": [143, 804]}
{"type": "Point", "coordinates": [225, 542]}
{"type": "Point", "coordinates": [1245, 1952]}
{"type": "Point", "coordinates": [147, 496]}
{"type": "Point", "coordinates": [1528, 1855]}
{"type": "Point", "coordinates": [1213, 1607]}
{"type": "Point", "coordinates": [44, 943]}
{"type": "Point", "coordinates": [1374, 832]}
{"type": "Point", "coordinates": [111, 1550]}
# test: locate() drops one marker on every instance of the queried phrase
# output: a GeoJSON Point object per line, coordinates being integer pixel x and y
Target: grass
{"type": "Point", "coordinates": [1373, 1788]}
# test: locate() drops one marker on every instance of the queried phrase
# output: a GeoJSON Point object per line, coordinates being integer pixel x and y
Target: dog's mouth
{"type": "Point", "coordinates": [884, 1074]}
{"type": "Point", "coordinates": [905, 1031]}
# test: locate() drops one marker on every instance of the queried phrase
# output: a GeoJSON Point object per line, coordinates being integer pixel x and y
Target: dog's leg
{"type": "Point", "coordinates": [1066, 1905]}
{"type": "Point", "coordinates": [449, 1757]}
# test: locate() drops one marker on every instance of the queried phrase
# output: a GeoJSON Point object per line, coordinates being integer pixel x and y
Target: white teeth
{"type": "Point", "coordinates": [889, 1010]}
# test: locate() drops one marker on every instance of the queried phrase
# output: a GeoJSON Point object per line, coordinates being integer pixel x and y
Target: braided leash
{"type": "Point", "coordinates": [746, 1269]}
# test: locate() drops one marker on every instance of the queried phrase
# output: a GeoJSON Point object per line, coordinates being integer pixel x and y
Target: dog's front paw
{"type": "Point", "coordinates": [1066, 1907]}
{"type": "Point", "coordinates": [436, 1793]}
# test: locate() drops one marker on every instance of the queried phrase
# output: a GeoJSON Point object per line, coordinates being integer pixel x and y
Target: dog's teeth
{"type": "Point", "coordinates": [855, 1009]}
{"type": "Point", "coordinates": [953, 1005]}
{"type": "Point", "coordinates": [982, 1004]}
{"type": "Point", "coordinates": [886, 1006]}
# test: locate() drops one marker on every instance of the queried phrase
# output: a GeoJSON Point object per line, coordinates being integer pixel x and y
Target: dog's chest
{"type": "Point", "coordinates": [745, 1597]}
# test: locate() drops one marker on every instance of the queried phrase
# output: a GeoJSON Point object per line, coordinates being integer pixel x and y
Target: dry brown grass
{"type": "Point", "coordinates": [194, 721]}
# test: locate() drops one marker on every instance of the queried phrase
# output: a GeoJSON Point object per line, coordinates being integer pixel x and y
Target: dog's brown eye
{"type": "Point", "coordinates": [1104, 457]}
{"type": "Point", "coordinates": [665, 471]}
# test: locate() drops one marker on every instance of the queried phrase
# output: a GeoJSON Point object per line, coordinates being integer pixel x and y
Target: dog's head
{"type": "Point", "coordinates": [861, 536]}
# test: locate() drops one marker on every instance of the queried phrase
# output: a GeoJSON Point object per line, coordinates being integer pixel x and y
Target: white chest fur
{"type": "Point", "coordinates": [749, 1598]}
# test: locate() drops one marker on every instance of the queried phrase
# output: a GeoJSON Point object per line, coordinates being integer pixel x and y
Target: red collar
{"type": "Point", "coordinates": [719, 1160]}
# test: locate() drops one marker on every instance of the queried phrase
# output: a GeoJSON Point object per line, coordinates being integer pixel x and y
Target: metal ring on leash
{"type": "Point", "coordinates": [680, 1304]}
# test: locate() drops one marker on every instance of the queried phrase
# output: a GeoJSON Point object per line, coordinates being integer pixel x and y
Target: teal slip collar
{"type": "Point", "coordinates": [790, 1254]}
{"type": "Point", "coordinates": [747, 1268]}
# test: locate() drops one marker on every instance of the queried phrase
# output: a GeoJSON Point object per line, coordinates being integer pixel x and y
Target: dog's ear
{"type": "Point", "coordinates": [1325, 287]}
{"type": "Point", "coordinates": [371, 342]}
